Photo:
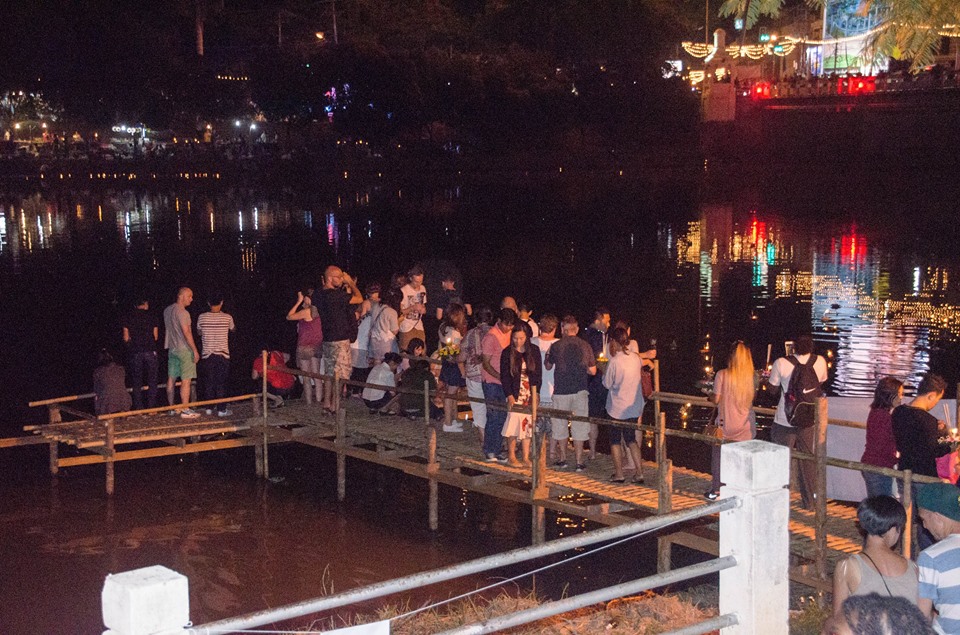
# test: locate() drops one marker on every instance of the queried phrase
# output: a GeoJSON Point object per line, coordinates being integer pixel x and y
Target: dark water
{"type": "Point", "coordinates": [868, 262]}
{"type": "Point", "coordinates": [246, 545]}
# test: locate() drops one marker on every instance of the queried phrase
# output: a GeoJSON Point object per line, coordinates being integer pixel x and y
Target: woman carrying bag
{"type": "Point", "coordinates": [733, 391]}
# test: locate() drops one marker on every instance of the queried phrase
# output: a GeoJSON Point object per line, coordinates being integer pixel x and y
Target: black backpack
{"type": "Point", "coordinates": [803, 391]}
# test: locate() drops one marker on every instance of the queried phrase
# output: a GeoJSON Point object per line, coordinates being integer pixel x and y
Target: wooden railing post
{"type": "Point", "coordinates": [341, 439]}
{"type": "Point", "coordinates": [820, 495]}
{"type": "Point", "coordinates": [656, 392]}
{"type": "Point", "coordinates": [263, 458]}
{"type": "Point", "coordinates": [538, 482]}
{"type": "Point", "coordinates": [664, 467]}
{"type": "Point", "coordinates": [109, 450]}
{"type": "Point", "coordinates": [432, 465]}
{"type": "Point", "coordinates": [910, 531]}
{"type": "Point", "coordinates": [263, 383]}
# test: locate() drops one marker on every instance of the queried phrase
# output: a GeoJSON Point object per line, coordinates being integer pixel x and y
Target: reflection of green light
{"type": "Point", "coordinates": [771, 253]}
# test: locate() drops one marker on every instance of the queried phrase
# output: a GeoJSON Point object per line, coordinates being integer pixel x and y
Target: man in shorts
{"type": "Point", "coordinates": [182, 353]}
{"type": "Point", "coordinates": [337, 303]}
{"type": "Point", "coordinates": [573, 363]}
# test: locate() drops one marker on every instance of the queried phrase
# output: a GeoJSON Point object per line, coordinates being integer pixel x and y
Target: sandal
{"type": "Point", "coordinates": [614, 479]}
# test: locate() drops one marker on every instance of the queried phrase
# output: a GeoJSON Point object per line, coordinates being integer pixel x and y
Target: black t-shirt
{"type": "Point", "coordinates": [336, 314]}
{"type": "Point", "coordinates": [140, 324]}
{"type": "Point", "coordinates": [917, 437]}
{"type": "Point", "coordinates": [448, 297]}
{"type": "Point", "coordinates": [572, 358]}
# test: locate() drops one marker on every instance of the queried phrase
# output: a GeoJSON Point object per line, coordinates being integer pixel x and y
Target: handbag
{"type": "Point", "coordinates": [713, 428]}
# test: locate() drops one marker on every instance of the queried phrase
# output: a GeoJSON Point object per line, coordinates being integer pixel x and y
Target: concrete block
{"type": "Point", "coordinates": [150, 601]}
{"type": "Point", "coordinates": [755, 465]}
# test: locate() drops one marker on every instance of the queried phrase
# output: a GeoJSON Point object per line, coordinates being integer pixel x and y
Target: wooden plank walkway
{"type": "Point", "coordinates": [402, 444]}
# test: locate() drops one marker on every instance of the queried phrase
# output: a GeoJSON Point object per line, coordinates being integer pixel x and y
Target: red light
{"type": "Point", "coordinates": [761, 90]}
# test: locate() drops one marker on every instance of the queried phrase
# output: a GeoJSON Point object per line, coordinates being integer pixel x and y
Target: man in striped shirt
{"type": "Point", "coordinates": [214, 327]}
{"type": "Point", "coordinates": [939, 564]}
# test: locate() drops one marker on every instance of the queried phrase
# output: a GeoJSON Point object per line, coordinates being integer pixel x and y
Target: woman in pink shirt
{"type": "Point", "coordinates": [881, 448]}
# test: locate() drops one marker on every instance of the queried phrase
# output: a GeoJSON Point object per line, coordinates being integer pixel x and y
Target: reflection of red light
{"type": "Point", "coordinates": [853, 249]}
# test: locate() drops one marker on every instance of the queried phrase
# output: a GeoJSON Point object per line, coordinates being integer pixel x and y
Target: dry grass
{"type": "Point", "coordinates": [646, 614]}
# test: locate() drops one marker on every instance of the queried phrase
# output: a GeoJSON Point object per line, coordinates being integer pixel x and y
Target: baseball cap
{"type": "Point", "coordinates": [942, 498]}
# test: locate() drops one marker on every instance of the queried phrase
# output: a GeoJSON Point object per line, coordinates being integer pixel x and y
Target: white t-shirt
{"type": "Point", "coordinates": [546, 378]}
{"type": "Point", "coordinates": [623, 379]}
{"type": "Point", "coordinates": [780, 375]}
{"type": "Point", "coordinates": [382, 375]}
{"type": "Point", "coordinates": [411, 319]}
{"type": "Point", "coordinates": [384, 325]}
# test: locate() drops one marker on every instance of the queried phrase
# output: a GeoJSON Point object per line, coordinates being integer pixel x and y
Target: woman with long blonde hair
{"type": "Point", "coordinates": [733, 390]}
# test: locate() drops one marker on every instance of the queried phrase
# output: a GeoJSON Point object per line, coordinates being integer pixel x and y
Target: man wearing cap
{"type": "Point", "coordinates": [939, 564]}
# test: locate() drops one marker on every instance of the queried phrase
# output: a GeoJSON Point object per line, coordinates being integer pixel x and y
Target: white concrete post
{"type": "Point", "coordinates": [757, 534]}
{"type": "Point", "coordinates": [150, 601]}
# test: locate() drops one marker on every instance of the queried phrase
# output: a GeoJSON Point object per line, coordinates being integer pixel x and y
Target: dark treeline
{"type": "Point", "coordinates": [472, 73]}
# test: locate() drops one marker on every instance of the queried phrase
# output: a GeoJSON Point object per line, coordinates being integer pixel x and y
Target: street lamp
{"type": "Point", "coordinates": [321, 35]}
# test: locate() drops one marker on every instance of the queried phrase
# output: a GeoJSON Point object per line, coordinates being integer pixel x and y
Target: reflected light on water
{"type": "Point", "coordinates": [854, 312]}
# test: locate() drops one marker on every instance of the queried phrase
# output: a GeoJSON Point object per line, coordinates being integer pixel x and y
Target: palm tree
{"type": "Point", "coordinates": [910, 29]}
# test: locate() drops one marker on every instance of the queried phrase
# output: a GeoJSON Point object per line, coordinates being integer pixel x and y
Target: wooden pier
{"type": "Point", "coordinates": [818, 538]}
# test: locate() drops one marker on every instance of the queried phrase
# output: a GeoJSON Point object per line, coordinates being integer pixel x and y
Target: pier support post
{"type": "Point", "coordinates": [757, 534]}
{"type": "Point", "coordinates": [432, 465]}
{"type": "Point", "coordinates": [539, 489]}
{"type": "Point", "coordinates": [341, 440]}
{"type": "Point", "coordinates": [54, 458]}
{"type": "Point", "coordinates": [109, 456]}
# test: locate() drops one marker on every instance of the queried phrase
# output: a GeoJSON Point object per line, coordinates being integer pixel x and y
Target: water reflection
{"type": "Point", "coordinates": [875, 312]}
{"type": "Point", "coordinates": [856, 312]}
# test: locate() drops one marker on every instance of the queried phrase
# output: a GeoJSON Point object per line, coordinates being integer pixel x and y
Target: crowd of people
{"type": "Point", "coordinates": [524, 365]}
{"type": "Point", "coordinates": [877, 591]}
{"type": "Point", "coordinates": [379, 336]}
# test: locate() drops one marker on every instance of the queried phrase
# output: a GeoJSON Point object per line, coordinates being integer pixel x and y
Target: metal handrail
{"type": "Point", "coordinates": [549, 609]}
{"type": "Point", "coordinates": [406, 583]}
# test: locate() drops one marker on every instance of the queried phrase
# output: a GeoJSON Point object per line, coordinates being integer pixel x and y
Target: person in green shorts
{"type": "Point", "coordinates": [182, 353]}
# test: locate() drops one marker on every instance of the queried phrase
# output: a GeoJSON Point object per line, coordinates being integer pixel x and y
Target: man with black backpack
{"type": "Point", "coordinates": [799, 377]}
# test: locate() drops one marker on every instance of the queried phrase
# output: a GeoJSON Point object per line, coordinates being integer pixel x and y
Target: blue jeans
{"type": "Point", "coordinates": [878, 484]}
{"type": "Point", "coordinates": [492, 441]}
{"type": "Point", "coordinates": [140, 362]}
